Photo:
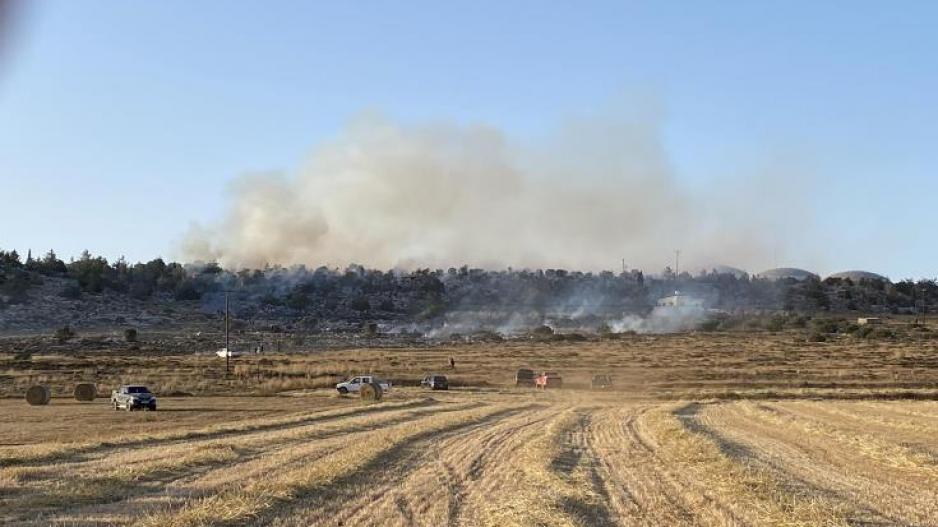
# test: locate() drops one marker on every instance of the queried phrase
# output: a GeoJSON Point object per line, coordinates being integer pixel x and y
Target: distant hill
{"type": "Point", "coordinates": [45, 293]}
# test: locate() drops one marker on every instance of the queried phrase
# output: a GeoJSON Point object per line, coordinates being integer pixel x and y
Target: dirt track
{"type": "Point", "coordinates": [498, 459]}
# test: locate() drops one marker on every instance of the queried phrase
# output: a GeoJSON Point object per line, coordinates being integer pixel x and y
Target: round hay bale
{"type": "Point", "coordinates": [85, 391]}
{"type": "Point", "coordinates": [367, 392]}
{"type": "Point", "coordinates": [371, 392]}
{"type": "Point", "coordinates": [38, 395]}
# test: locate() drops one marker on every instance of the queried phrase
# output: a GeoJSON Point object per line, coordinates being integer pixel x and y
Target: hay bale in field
{"type": "Point", "coordinates": [371, 392]}
{"type": "Point", "coordinates": [85, 391]}
{"type": "Point", "coordinates": [38, 395]}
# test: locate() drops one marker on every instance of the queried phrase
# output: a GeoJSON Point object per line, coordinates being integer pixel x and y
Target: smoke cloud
{"type": "Point", "coordinates": [389, 195]}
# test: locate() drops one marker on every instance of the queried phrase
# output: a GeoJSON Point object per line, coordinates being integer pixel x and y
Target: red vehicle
{"type": "Point", "coordinates": [548, 379]}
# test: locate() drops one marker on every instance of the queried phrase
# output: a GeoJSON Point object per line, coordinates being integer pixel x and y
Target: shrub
{"type": "Point", "coordinates": [826, 325]}
{"type": "Point", "coordinates": [776, 323]}
{"type": "Point", "coordinates": [130, 335]}
{"type": "Point", "coordinates": [883, 333]}
{"type": "Point", "coordinates": [23, 355]}
{"type": "Point", "coordinates": [297, 300]}
{"type": "Point", "coordinates": [71, 292]}
{"type": "Point", "coordinates": [15, 287]}
{"type": "Point", "coordinates": [187, 291]}
{"type": "Point", "coordinates": [817, 337]}
{"type": "Point", "coordinates": [271, 299]}
{"type": "Point", "coordinates": [432, 310]}
{"type": "Point", "coordinates": [140, 290]}
{"type": "Point", "coordinates": [360, 303]}
{"type": "Point", "coordinates": [64, 334]}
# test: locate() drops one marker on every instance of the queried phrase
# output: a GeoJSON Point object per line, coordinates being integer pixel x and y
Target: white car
{"type": "Point", "coordinates": [354, 384]}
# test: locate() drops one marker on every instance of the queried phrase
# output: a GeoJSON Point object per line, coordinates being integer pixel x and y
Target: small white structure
{"type": "Point", "coordinates": [225, 352]}
{"type": "Point", "coordinates": [863, 321]}
{"type": "Point", "coordinates": [680, 300]}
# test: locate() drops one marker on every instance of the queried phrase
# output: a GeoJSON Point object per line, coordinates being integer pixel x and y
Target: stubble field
{"type": "Point", "coordinates": [472, 458]}
{"type": "Point", "coordinates": [701, 430]}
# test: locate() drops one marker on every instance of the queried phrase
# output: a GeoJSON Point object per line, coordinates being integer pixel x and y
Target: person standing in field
{"type": "Point", "coordinates": [452, 363]}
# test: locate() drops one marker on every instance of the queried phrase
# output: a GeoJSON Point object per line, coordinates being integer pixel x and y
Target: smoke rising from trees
{"type": "Point", "coordinates": [389, 195]}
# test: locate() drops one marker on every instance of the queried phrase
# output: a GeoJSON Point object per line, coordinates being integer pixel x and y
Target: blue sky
{"type": "Point", "coordinates": [121, 122]}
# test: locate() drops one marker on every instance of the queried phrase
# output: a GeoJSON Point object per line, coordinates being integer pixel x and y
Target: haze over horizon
{"type": "Point", "coordinates": [496, 135]}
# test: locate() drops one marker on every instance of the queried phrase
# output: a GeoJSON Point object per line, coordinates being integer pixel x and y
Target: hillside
{"type": "Point", "coordinates": [92, 294]}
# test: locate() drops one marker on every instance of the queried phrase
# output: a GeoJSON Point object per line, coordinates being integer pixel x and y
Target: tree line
{"type": "Point", "coordinates": [430, 292]}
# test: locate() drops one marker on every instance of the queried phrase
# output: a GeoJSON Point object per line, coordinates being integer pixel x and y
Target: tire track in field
{"type": "Point", "coordinates": [253, 460]}
{"type": "Point", "coordinates": [253, 499]}
{"type": "Point", "coordinates": [642, 485]}
{"type": "Point", "coordinates": [491, 470]}
{"type": "Point", "coordinates": [898, 411]}
{"type": "Point", "coordinates": [469, 460]}
{"type": "Point", "coordinates": [138, 458]}
{"type": "Point", "coordinates": [901, 482]}
{"type": "Point", "coordinates": [134, 458]}
{"type": "Point", "coordinates": [610, 450]}
{"type": "Point", "coordinates": [577, 464]}
{"type": "Point", "coordinates": [426, 481]}
{"type": "Point", "coordinates": [901, 433]}
{"type": "Point", "coordinates": [78, 453]}
{"type": "Point", "coordinates": [806, 467]}
{"type": "Point", "coordinates": [923, 409]}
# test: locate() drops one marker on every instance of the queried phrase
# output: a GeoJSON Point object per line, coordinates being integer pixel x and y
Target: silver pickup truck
{"type": "Point", "coordinates": [354, 384]}
{"type": "Point", "coordinates": [132, 397]}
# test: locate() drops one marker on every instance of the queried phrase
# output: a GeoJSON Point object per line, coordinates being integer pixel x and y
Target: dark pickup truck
{"type": "Point", "coordinates": [435, 382]}
{"type": "Point", "coordinates": [133, 397]}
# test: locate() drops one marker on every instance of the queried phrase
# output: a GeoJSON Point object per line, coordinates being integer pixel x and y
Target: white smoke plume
{"type": "Point", "coordinates": [662, 320]}
{"type": "Point", "coordinates": [387, 195]}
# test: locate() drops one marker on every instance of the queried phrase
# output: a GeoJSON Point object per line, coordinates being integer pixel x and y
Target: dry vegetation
{"type": "Point", "coordinates": [822, 434]}
{"type": "Point", "coordinates": [476, 458]}
{"type": "Point", "coordinates": [693, 365]}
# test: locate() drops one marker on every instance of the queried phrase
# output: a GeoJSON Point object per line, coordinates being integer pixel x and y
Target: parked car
{"type": "Point", "coordinates": [354, 384]}
{"type": "Point", "coordinates": [435, 382]}
{"type": "Point", "coordinates": [525, 377]}
{"type": "Point", "coordinates": [225, 352]}
{"type": "Point", "coordinates": [548, 379]}
{"type": "Point", "coordinates": [132, 397]}
{"type": "Point", "coordinates": [601, 382]}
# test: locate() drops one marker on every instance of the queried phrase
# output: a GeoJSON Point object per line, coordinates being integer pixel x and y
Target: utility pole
{"type": "Point", "coordinates": [623, 266]}
{"type": "Point", "coordinates": [227, 348]}
{"type": "Point", "coordinates": [924, 302]}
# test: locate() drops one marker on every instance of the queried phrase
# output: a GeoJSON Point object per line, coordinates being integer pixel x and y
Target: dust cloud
{"type": "Point", "coordinates": [387, 195]}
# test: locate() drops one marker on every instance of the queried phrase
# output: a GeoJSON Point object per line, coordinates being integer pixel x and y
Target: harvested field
{"type": "Point", "coordinates": [679, 366]}
{"type": "Point", "coordinates": [471, 457]}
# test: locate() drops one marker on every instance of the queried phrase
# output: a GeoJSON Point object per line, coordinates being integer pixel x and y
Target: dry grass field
{"type": "Point", "coordinates": [688, 366]}
{"type": "Point", "coordinates": [726, 429]}
{"type": "Point", "coordinates": [471, 457]}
